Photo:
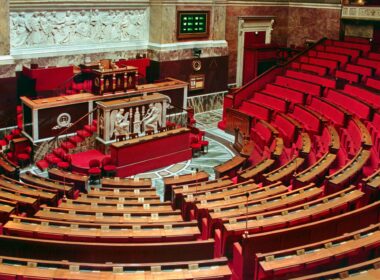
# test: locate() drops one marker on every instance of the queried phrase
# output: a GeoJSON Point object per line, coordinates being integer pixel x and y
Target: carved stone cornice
{"type": "Point", "coordinates": [57, 5]}
{"type": "Point", "coordinates": [362, 13]}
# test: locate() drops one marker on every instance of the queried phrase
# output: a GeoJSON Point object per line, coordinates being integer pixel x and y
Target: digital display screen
{"type": "Point", "coordinates": [192, 24]}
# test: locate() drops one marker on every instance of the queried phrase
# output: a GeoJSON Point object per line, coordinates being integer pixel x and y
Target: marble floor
{"type": "Point", "coordinates": [220, 150]}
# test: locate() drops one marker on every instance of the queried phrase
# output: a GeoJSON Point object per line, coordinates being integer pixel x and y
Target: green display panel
{"type": "Point", "coordinates": [193, 24]}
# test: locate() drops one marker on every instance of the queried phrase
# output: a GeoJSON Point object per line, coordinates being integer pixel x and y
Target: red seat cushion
{"type": "Point", "coordinates": [204, 143]}
{"type": "Point", "coordinates": [75, 139]}
{"type": "Point", "coordinates": [3, 143]}
{"type": "Point", "coordinates": [23, 156]}
{"type": "Point", "coordinates": [63, 165]}
{"type": "Point", "coordinates": [42, 164]}
{"type": "Point", "coordinates": [109, 168]}
{"type": "Point", "coordinates": [83, 133]}
{"type": "Point", "coordinates": [59, 152]}
{"type": "Point", "coordinates": [94, 171]}
{"type": "Point", "coordinates": [8, 137]}
{"type": "Point", "coordinates": [67, 145]}
{"type": "Point", "coordinates": [90, 128]}
{"type": "Point", "coordinates": [196, 145]}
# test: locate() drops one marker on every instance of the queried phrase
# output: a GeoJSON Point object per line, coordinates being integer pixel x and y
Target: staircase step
{"type": "Point", "coordinates": [67, 146]}
{"type": "Point", "coordinates": [90, 128]}
{"type": "Point", "coordinates": [83, 133]}
{"type": "Point", "coordinates": [76, 139]}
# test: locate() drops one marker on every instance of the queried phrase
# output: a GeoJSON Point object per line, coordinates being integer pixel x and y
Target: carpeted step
{"type": "Point", "coordinates": [76, 139]}
{"type": "Point", "coordinates": [90, 128]}
{"type": "Point", "coordinates": [52, 159]}
{"type": "Point", "coordinates": [67, 146]}
{"type": "Point", "coordinates": [59, 152]}
{"type": "Point", "coordinates": [83, 133]}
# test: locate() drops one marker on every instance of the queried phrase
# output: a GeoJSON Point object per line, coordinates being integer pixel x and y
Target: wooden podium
{"type": "Point", "coordinates": [112, 80]}
{"type": "Point", "coordinates": [150, 152]}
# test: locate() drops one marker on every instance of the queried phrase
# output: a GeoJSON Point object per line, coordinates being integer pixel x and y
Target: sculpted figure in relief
{"type": "Point", "coordinates": [152, 117]}
{"type": "Point", "coordinates": [44, 28]}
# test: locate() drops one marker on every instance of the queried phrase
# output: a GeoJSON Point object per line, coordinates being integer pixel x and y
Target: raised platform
{"type": "Point", "coordinates": [79, 161]}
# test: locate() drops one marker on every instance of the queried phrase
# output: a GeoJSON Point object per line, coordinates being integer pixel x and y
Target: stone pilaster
{"type": "Point", "coordinates": [4, 28]}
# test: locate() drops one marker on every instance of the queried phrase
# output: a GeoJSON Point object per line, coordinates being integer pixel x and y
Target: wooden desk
{"type": "Point", "coordinates": [286, 218]}
{"type": "Point", "coordinates": [276, 264]}
{"type": "Point", "coordinates": [229, 167]}
{"type": "Point", "coordinates": [106, 252]}
{"type": "Point", "coordinates": [80, 181]}
{"type": "Point", "coordinates": [178, 192]}
{"type": "Point", "coordinates": [284, 172]}
{"type": "Point", "coordinates": [53, 230]}
{"type": "Point", "coordinates": [203, 269]}
{"type": "Point", "coordinates": [63, 189]}
{"type": "Point", "coordinates": [132, 197]}
{"type": "Point", "coordinates": [127, 183]}
{"type": "Point", "coordinates": [365, 135]}
{"type": "Point", "coordinates": [7, 208]}
{"type": "Point", "coordinates": [278, 148]}
{"type": "Point", "coordinates": [315, 172]}
{"type": "Point", "coordinates": [306, 233]}
{"type": "Point", "coordinates": [254, 172]}
{"type": "Point", "coordinates": [169, 182]}
{"type": "Point", "coordinates": [152, 151]}
{"type": "Point", "coordinates": [362, 271]}
{"type": "Point", "coordinates": [136, 192]}
{"type": "Point", "coordinates": [305, 145]}
{"type": "Point", "coordinates": [371, 186]}
{"type": "Point", "coordinates": [347, 173]}
{"type": "Point", "coordinates": [93, 216]}
{"type": "Point", "coordinates": [8, 168]}
{"type": "Point", "coordinates": [217, 216]}
{"type": "Point", "coordinates": [255, 194]}
{"type": "Point", "coordinates": [43, 195]}
{"type": "Point", "coordinates": [124, 207]}
{"type": "Point", "coordinates": [334, 139]}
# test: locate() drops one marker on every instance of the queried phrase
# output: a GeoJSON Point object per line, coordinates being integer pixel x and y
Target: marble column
{"type": "Point", "coordinates": [4, 28]}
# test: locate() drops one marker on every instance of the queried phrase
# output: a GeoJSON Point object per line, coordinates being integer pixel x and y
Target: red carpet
{"type": "Point", "coordinates": [80, 161]}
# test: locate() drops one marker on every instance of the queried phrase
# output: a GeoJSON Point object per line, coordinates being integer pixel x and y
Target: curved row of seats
{"type": "Point", "coordinates": [302, 187]}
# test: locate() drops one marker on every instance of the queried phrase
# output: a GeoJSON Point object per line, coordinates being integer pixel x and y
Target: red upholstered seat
{"type": "Point", "coordinates": [23, 159]}
{"type": "Point", "coordinates": [8, 137]}
{"type": "Point", "coordinates": [19, 109]}
{"type": "Point", "coordinates": [94, 171]}
{"type": "Point", "coordinates": [3, 143]}
{"type": "Point", "coordinates": [90, 128]}
{"type": "Point", "coordinates": [109, 168]}
{"type": "Point", "coordinates": [64, 165]}
{"type": "Point", "coordinates": [83, 133]}
{"type": "Point", "coordinates": [16, 132]}
{"type": "Point", "coordinates": [204, 146]}
{"type": "Point", "coordinates": [52, 159]}
{"type": "Point", "coordinates": [42, 164]}
{"type": "Point", "coordinates": [196, 148]}
{"type": "Point", "coordinates": [59, 152]}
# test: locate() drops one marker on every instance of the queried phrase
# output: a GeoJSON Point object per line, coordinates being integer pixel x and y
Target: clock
{"type": "Point", "coordinates": [197, 65]}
